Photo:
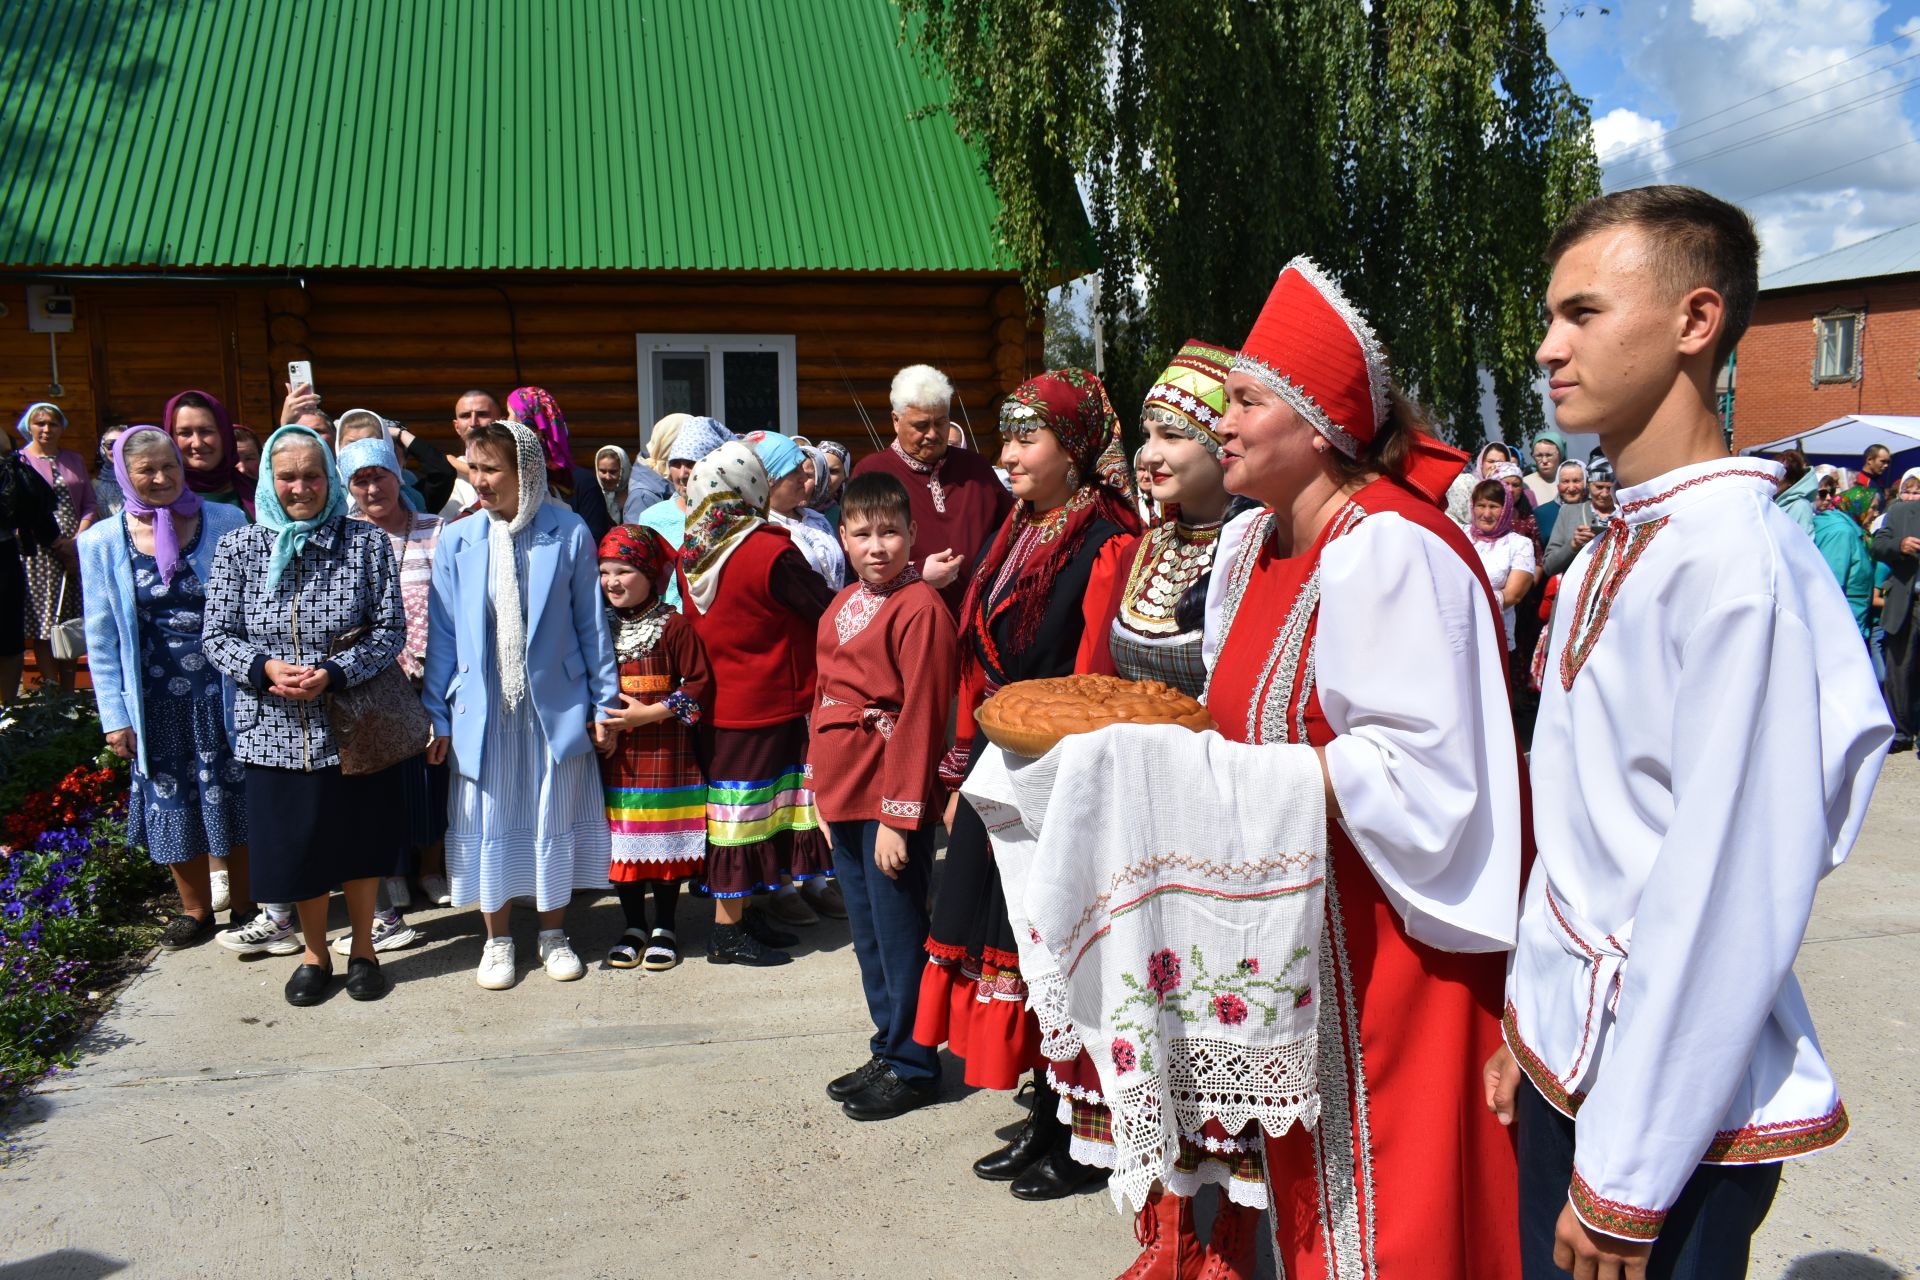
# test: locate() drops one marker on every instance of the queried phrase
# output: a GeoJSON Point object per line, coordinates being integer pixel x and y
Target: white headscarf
{"type": "Point", "coordinates": [509, 618]}
{"type": "Point", "coordinates": [726, 501]}
{"type": "Point", "coordinates": [617, 500]}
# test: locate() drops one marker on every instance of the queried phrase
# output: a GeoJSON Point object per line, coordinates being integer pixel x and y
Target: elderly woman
{"type": "Point", "coordinates": [787, 476]}
{"type": "Point", "coordinates": [373, 475]}
{"type": "Point", "coordinates": [518, 660]}
{"type": "Point", "coordinates": [53, 569]}
{"type": "Point", "coordinates": [839, 467]}
{"type": "Point", "coordinates": [304, 602]}
{"type": "Point", "coordinates": [199, 424]}
{"type": "Point", "coordinates": [161, 705]}
{"type": "Point", "coordinates": [107, 494]}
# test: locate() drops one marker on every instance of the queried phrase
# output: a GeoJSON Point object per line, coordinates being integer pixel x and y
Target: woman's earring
{"type": "Point", "coordinates": [1073, 477]}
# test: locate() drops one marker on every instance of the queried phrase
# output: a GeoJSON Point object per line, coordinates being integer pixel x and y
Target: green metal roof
{"type": "Point", "coordinates": [480, 135]}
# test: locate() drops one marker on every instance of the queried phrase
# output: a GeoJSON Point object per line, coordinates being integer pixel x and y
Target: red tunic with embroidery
{"type": "Point", "coordinates": [1407, 1173]}
{"type": "Point", "coordinates": [887, 672]}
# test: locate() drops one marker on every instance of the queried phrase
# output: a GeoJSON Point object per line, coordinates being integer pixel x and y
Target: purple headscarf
{"type": "Point", "coordinates": [226, 477]}
{"type": "Point", "coordinates": [1505, 526]}
{"type": "Point", "coordinates": [166, 538]}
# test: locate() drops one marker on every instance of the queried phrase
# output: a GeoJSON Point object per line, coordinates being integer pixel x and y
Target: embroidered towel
{"type": "Point", "coordinates": [1167, 892]}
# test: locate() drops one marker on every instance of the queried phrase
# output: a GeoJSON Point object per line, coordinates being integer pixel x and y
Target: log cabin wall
{"type": "Point", "coordinates": [407, 345]}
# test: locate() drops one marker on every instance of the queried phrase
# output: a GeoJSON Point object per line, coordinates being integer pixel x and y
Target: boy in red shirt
{"type": "Point", "coordinates": [888, 666]}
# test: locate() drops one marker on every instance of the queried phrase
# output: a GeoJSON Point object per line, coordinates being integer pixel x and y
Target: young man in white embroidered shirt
{"type": "Point", "coordinates": [1660, 1060]}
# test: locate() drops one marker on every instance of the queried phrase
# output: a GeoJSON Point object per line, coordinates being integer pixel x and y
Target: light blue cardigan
{"type": "Point", "coordinates": [113, 624]}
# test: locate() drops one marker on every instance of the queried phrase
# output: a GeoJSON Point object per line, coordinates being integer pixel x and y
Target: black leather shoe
{"type": "Point", "coordinates": [840, 1088]}
{"type": "Point", "coordinates": [1054, 1176]}
{"type": "Point", "coordinates": [889, 1096]}
{"type": "Point", "coordinates": [755, 923]}
{"type": "Point", "coordinates": [1012, 1160]}
{"type": "Point", "coordinates": [309, 984]}
{"type": "Point", "coordinates": [735, 944]}
{"type": "Point", "coordinates": [365, 981]}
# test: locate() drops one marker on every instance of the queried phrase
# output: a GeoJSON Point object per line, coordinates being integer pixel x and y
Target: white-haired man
{"type": "Point", "coordinates": [958, 502]}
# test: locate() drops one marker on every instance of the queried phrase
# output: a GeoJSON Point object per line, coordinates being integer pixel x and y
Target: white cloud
{"type": "Point", "coordinates": [1623, 133]}
{"type": "Point", "coordinates": [1725, 17]}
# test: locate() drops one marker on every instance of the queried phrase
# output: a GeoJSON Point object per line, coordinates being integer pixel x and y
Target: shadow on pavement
{"type": "Point", "coordinates": [1838, 1265]}
{"type": "Point", "coordinates": [62, 1264]}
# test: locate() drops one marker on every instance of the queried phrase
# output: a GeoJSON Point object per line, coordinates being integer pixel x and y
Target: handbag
{"type": "Point", "coordinates": [69, 637]}
{"type": "Point", "coordinates": [379, 722]}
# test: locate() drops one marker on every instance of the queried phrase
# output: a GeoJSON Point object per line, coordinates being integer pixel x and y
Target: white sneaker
{"type": "Point", "coordinates": [262, 934]}
{"type": "Point", "coordinates": [389, 934]}
{"type": "Point", "coordinates": [556, 955]}
{"type": "Point", "coordinates": [437, 890]}
{"type": "Point", "coordinates": [496, 965]}
{"type": "Point", "coordinates": [399, 897]}
{"type": "Point", "coordinates": [222, 890]}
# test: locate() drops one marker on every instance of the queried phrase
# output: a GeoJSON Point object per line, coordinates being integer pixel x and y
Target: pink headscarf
{"type": "Point", "coordinates": [533, 408]}
{"type": "Point", "coordinates": [226, 477]}
{"type": "Point", "coordinates": [166, 538]}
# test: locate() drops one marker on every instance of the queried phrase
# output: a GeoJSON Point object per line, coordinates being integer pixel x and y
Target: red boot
{"type": "Point", "coordinates": [1230, 1247]}
{"type": "Point", "coordinates": [1165, 1228]}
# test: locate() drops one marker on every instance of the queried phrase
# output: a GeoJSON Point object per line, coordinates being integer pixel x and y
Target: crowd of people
{"type": "Point", "coordinates": [749, 667]}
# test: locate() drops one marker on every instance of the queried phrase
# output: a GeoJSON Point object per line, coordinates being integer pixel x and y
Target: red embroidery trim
{"type": "Point", "coordinates": [1614, 1217]}
{"type": "Point", "coordinates": [1641, 505]}
{"type": "Point", "coordinates": [1593, 986]}
{"type": "Point", "coordinates": [1769, 1143]}
{"type": "Point", "coordinates": [1543, 1079]}
{"type": "Point", "coordinates": [1589, 617]}
{"type": "Point", "coordinates": [945, 952]}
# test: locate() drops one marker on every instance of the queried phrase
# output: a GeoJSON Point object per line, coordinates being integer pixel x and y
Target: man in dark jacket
{"type": "Point", "coordinates": [1897, 545]}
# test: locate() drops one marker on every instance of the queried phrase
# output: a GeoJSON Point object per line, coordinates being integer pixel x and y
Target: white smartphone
{"type": "Point", "coordinates": [299, 373]}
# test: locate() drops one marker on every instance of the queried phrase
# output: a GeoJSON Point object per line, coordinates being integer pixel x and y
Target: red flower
{"type": "Point", "coordinates": [1230, 1009]}
{"type": "Point", "coordinates": [1163, 971]}
{"type": "Point", "coordinates": [1306, 998]}
{"type": "Point", "coordinates": [1250, 965]}
{"type": "Point", "coordinates": [1124, 1058]}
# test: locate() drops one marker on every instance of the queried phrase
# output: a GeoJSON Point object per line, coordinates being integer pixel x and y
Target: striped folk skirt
{"type": "Point", "coordinates": [656, 804]}
{"type": "Point", "coordinates": [761, 823]}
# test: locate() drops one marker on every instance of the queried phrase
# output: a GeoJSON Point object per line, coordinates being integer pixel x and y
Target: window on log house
{"type": "Point", "coordinates": [747, 381]}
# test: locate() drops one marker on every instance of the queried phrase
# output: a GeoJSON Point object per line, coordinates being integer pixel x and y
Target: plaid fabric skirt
{"type": "Point", "coordinates": [761, 821]}
{"type": "Point", "coordinates": [656, 804]}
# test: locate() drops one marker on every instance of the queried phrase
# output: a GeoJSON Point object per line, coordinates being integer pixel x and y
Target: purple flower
{"type": "Point", "coordinates": [1163, 972]}
{"type": "Point", "coordinates": [1124, 1058]}
{"type": "Point", "coordinates": [1230, 1009]}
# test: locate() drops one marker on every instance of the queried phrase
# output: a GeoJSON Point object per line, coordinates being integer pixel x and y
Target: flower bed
{"type": "Point", "coordinates": [75, 901]}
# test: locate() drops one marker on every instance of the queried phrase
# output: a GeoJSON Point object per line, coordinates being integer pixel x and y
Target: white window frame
{"type": "Point", "coordinates": [715, 346]}
{"type": "Point", "coordinates": [1852, 372]}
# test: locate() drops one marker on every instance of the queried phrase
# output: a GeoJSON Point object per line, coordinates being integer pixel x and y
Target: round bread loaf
{"type": "Point", "coordinates": [1030, 717]}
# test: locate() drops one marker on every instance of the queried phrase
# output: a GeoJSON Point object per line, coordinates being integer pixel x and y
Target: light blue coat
{"type": "Point", "coordinates": [113, 623]}
{"type": "Point", "coordinates": [570, 667]}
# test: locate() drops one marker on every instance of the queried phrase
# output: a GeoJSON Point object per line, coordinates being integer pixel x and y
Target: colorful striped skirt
{"type": "Point", "coordinates": [656, 805]}
{"type": "Point", "coordinates": [761, 823]}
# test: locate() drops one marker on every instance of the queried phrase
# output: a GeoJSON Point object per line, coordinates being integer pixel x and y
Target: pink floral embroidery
{"type": "Point", "coordinates": [1124, 1058]}
{"type": "Point", "coordinates": [1163, 972]}
{"type": "Point", "coordinates": [1230, 1009]}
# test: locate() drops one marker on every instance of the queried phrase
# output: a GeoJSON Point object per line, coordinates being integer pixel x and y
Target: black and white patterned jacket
{"type": "Point", "coordinates": [345, 578]}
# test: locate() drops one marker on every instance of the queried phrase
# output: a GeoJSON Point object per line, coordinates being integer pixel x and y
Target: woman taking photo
{"type": "Point", "coordinates": [518, 659]}
{"type": "Point", "coordinates": [199, 424]}
{"type": "Point", "coordinates": [300, 604]}
{"type": "Point", "coordinates": [53, 569]}
{"type": "Point", "coordinates": [1023, 619]}
{"type": "Point", "coordinates": [161, 705]}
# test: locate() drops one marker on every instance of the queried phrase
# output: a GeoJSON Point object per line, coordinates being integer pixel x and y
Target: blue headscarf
{"type": "Point", "coordinates": [778, 454]}
{"type": "Point", "coordinates": [697, 438]}
{"type": "Point", "coordinates": [377, 451]}
{"type": "Point", "coordinates": [290, 536]}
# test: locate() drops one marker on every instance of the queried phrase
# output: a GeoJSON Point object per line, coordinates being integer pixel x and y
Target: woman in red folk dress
{"type": "Point", "coordinates": [1352, 615]}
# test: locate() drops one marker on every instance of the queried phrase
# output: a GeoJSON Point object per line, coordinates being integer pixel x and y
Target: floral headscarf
{"type": "Point", "coordinates": [643, 548]}
{"type": "Point", "coordinates": [534, 409]}
{"type": "Point", "coordinates": [224, 478]}
{"type": "Point", "coordinates": [290, 535]}
{"type": "Point", "coordinates": [166, 538]}
{"type": "Point", "coordinates": [1857, 503]}
{"type": "Point", "coordinates": [726, 501]}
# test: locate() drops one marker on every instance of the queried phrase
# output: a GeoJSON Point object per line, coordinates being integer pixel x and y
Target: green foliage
{"type": "Point", "coordinates": [1422, 150]}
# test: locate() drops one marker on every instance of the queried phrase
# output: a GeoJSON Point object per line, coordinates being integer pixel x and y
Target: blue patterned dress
{"type": "Point", "coordinates": [193, 800]}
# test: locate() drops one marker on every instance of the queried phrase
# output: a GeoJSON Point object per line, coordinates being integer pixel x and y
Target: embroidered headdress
{"type": "Point", "coordinates": [1191, 395]}
{"type": "Point", "coordinates": [1313, 349]}
{"type": "Point", "coordinates": [643, 548]}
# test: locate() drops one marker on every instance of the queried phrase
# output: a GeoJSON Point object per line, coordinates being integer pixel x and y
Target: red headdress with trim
{"type": "Point", "coordinates": [644, 549]}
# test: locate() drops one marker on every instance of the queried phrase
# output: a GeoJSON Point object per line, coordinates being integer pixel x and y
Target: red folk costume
{"type": "Point", "coordinates": [1406, 1174]}
{"type": "Point", "coordinates": [1022, 619]}
{"type": "Point", "coordinates": [656, 794]}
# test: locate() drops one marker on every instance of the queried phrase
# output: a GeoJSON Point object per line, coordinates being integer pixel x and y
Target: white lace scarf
{"type": "Point", "coordinates": [509, 615]}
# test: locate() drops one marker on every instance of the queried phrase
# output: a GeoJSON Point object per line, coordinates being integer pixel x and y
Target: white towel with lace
{"type": "Point", "coordinates": [1167, 891]}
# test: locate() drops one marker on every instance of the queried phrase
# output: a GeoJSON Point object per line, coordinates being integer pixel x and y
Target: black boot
{"type": "Point", "coordinates": [732, 944]}
{"type": "Point", "coordinates": [1035, 1138]}
{"type": "Point", "coordinates": [1054, 1175]}
{"type": "Point", "coordinates": [755, 922]}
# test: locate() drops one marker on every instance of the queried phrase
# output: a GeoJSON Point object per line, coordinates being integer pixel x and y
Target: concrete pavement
{"type": "Point", "coordinates": [637, 1124]}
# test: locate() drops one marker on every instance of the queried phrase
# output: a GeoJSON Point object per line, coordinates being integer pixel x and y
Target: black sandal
{"type": "Point", "coordinates": [624, 954]}
{"type": "Point", "coordinates": [663, 952]}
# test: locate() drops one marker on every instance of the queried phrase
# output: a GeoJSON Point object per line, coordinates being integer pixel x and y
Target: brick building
{"type": "Point", "coordinates": [1834, 335]}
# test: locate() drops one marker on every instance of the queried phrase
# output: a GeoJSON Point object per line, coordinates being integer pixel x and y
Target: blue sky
{"type": "Point", "coordinates": [1784, 106]}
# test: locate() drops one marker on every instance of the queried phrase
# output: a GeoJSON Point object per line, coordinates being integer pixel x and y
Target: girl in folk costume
{"type": "Point", "coordinates": [1024, 614]}
{"type": "Point", "coordinates": [755, 604]}
{"type": "Point", "coordinates": [1153, 631]}
{"type": "Point", "coordinates": [656, 794]}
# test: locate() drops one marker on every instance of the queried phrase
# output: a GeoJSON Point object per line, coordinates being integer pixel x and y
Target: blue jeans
{"type": "Point", "coordinates": [1707, 1233]}
{"type": "Point", "coordinates": [888, 918]}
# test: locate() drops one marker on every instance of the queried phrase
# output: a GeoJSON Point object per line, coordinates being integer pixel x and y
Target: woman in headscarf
{"type": "Point", "coordinates": [789, 479]}
{"type": "Point", "coordinates": [756, 604]}
{"type": "Point", "coordinates": [53, 569]}
{"type": "Point", "coordinates": [1506, 554]}
{"type": "Point", "coordinates": [161, 706]}
{"type": "Point", "coordinates": [374, 476]}
{"type": "Point", "coordinates": [626, 489]}
{"type": "Point", "coordinates": [660, 443]}
{"type": "Point", "coordinates": [199, 424]}
{"type": "Point", "coordinates": [839, 467]}
{"type": "Point", "coordinates": [1840, 532]}
{"type": "Point", "coordinates": [518, 665]}
{"type": "Point", "coordinates": [303, 602]}
{"type": "Point", "coordinates": [107, 495]}
{"type": "Point", "coordinates": [693, 440]}
{"type": "Point", "coordinates": [246, 448]}
{"type": "Point", "coordinates": [574, 485]}
{"type": "Point", "coordinates": [1460, 492]}
{"type": "Point", "coordinates": [1023, 617]}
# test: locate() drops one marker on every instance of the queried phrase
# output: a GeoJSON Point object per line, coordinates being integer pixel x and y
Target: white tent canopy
{"type": "Point", "coordinates": [1849, 436]}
